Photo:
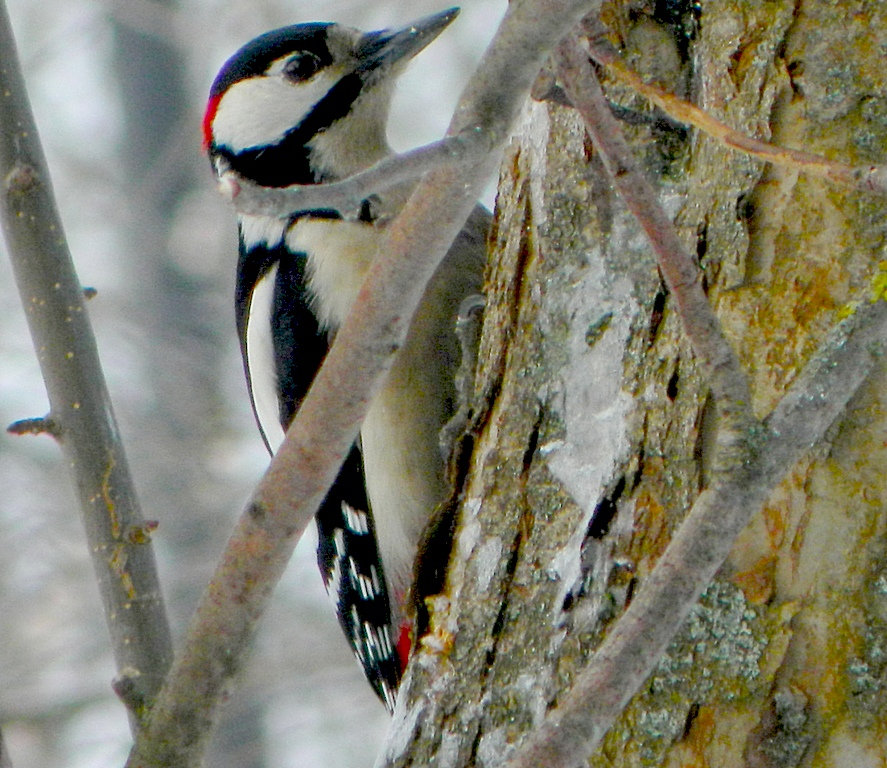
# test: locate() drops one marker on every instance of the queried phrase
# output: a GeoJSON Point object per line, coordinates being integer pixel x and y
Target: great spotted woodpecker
{"type": "Point", "coordinates": [302, 105]}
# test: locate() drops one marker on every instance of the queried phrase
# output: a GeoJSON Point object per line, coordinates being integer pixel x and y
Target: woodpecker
{"type": "Point", "coordinates": [308, 104]}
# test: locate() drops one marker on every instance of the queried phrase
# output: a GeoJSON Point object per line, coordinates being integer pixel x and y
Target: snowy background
{"type": "Point", "coordinates": [118, 88]}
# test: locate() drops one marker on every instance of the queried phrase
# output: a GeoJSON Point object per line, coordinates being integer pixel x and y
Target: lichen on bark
{"type": "Point", "coordinates": [593, 423]}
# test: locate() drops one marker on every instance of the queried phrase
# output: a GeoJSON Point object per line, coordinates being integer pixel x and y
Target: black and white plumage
{"type": "Point", "coordinates": [307, 104]}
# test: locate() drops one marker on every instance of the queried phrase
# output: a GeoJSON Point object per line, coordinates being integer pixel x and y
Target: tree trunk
{"type": "Point", "coordinates": [592, 427]}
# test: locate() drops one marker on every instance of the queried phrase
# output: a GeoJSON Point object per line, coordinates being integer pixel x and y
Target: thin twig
{"type": "Point", "coordinates": [5, 759]}
{"type": "Point", "coordinates": [81, 413]}
{"type": "Point", "coordinates": [721, 367]}
{"type": "Point", "coordinates": [328, 420]}
{"type": "Point", "coordinates": [873, 178]}
{"type": "Point", "coordinates": [632, 649]}
{"type": "Point", "coordinates": [346, 195]}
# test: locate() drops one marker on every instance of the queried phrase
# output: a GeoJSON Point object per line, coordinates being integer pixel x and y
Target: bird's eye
{"type": "Point", "coordinates": [301, 66]}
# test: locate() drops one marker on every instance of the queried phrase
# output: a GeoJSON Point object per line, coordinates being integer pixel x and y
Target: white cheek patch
{"type": "Point", "coordinates": [260, 361]}
{"type": "Point", "coordinates": [260, 110]}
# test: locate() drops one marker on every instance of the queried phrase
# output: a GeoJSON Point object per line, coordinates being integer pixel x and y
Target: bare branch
{"type": "Point", "coordinates": [632, 649]}
{"type": "Point", "coordinates": [630, 653]}
{"type": "Point", "coordinates": [823, 388]}
{"type": "Point", "coordinates": [39, 425]}
{"type": "Point", "coordinates": [81, 415]}
{"type": "Point", "coordinates": [347, 194]}
{"type": "Point", "coordinates": [328, 421]}
{"type": "Point", "coordinates": [5, 760]}
{"type": "Point", "coordinates": [872, 178]}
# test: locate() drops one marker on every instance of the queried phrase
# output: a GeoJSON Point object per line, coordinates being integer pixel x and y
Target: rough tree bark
{"type": "Point", "coordinates": [592, 425]}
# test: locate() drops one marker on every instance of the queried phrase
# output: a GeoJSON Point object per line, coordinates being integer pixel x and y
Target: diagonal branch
{"type": "Point", "coordinates": [630, 653]}
{"type": "Point", "coordinates": [5, 760]}
{"type": "Point", "coordinates": [346, 195]}
{"type": "Point", "coordinates": [81, 416]}
{"type": "Point", "coordinates": [719, 362]}
{"type": "Point", "coordinates": [329, 418]}
{"type": "Point", "coordinates": [872, 178]}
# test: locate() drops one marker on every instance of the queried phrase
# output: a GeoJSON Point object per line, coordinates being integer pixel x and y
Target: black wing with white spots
{"type": "Point", "coordinates": [348, 558]}
{"type": "Point", "coordinates": [347, 551]}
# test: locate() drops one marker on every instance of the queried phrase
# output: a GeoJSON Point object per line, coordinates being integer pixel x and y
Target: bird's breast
{"type": "Point", "coordinates": [339, 255]}
{"type": "Point", "coordinates": [261, 232]}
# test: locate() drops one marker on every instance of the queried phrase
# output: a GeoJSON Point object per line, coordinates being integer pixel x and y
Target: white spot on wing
{"type": "Point", "coordinates": [372, 641]}
{"type": "Point", "coordinates": [389, 696]}
{"type": "Point", "coordinates": [333, 582]}
{"type": "Point", "coordinates": [385, 640]}
{"type": "Point", "coordinates": [366, 587]}
{"type": "Point", "coordinates": [356, 519]}
{"type": "Point", "coordinates": [260, 361]}
{"type": "Point", "coordinates": [374, 576]}
{"type": "Point", "coordinates": [339, 541]}
{"type": "Point", "coordinates": [356, 639]}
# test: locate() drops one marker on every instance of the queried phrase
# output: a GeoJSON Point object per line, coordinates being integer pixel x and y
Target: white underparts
{"type": "Point", "coordinates": [339, 255]}
{"type": "Point", "coordinates": [263, 231]}
{"type": "Point", "coordinates": [402, 467]}
{"type": "Point", "coordinates": [260, 360]}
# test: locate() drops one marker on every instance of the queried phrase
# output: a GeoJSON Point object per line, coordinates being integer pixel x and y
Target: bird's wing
{"type": "Point", "coordinates": [281, 357]}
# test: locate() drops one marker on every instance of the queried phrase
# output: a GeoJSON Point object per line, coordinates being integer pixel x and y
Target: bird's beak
{"type": "Point", "coordinates": [387, 47]}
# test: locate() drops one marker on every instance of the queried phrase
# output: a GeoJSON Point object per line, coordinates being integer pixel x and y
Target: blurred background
{"type": "Point", "coordinates": [118, 87]}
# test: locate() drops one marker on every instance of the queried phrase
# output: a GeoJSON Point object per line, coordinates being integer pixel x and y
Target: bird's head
{"type": "Point", "coordinates": [310, 102]}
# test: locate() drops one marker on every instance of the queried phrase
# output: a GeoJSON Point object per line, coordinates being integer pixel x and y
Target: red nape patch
{"type": "Point", "coordinates": [404, 644]}
{"type": "Point", "coordinates": [208, 118]}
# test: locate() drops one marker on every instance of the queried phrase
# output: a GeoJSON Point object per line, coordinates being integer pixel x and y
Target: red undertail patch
{"type": "Point", "coordinates": [403, 645]}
